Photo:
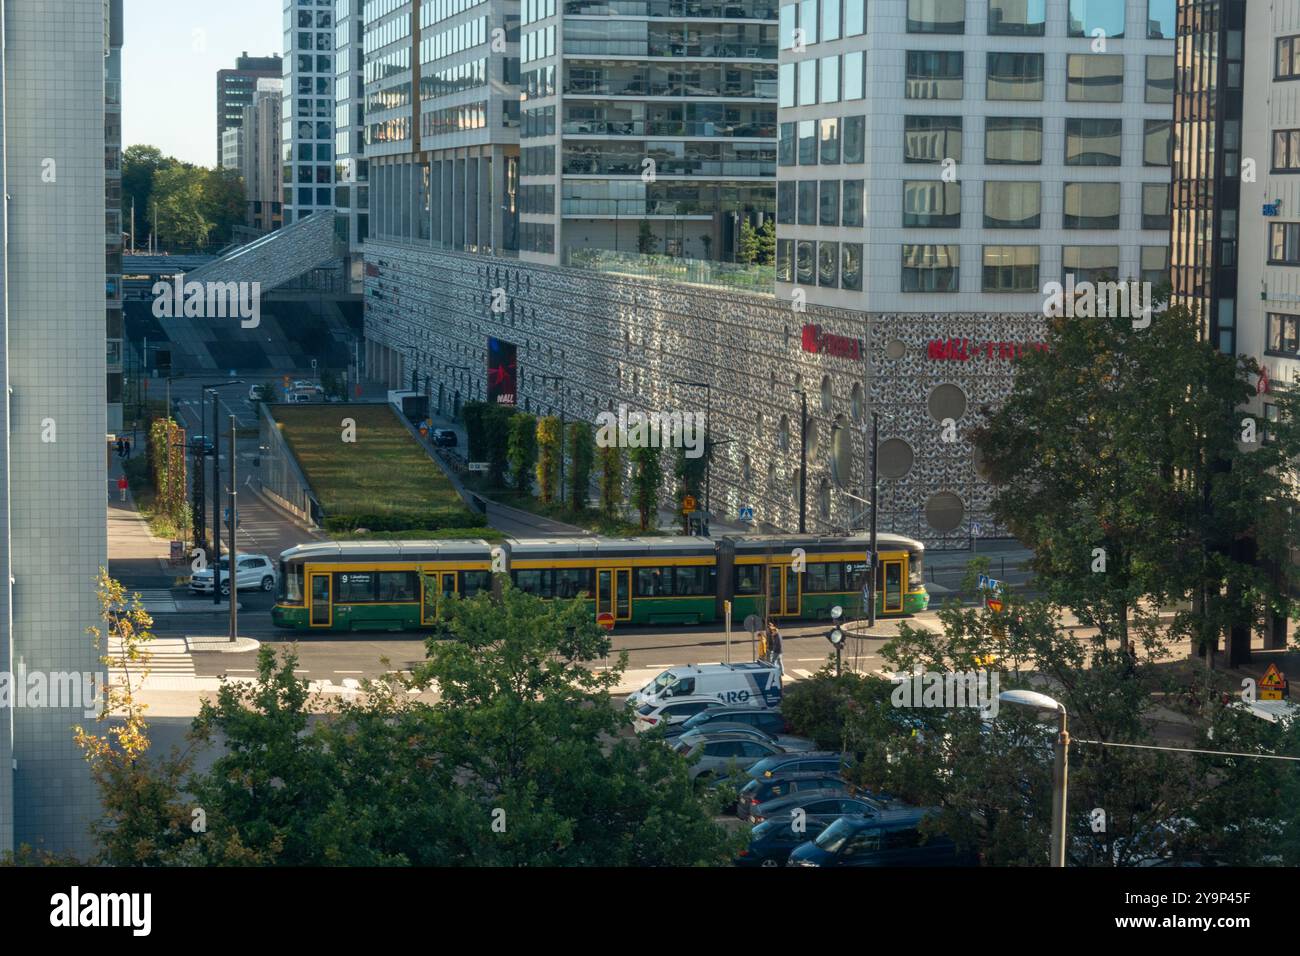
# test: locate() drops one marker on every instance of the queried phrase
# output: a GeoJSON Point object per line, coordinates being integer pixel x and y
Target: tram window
{"type": "Point", "coordinates": [855, 576]}
{"type": "Point", "coordinates": [834, 576]}
{"type": "Point", "coordinates": [815, 578]}
{"type": "Point", "coordinates": [692, 580]}
{"type": "Point", "coordinates": [749, 578]}
{"type": "Point", "coordinates": [354, 587]}
{"type": "Point", "coordinates": [570, 582]}
{"type": "Point", "coordinates": [471, 582]}
{"type": "Point", "coordinates": [397, 586]}
{"type": "Point", "coordinates": [290, 584]}
{"type": "Point", "coordinates": [535, 581]}
{"type": "Point", "coordinates": [654, 582]}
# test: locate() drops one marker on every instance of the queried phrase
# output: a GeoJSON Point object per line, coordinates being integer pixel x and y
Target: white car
{"type": "Point", "coordinates": [652, 715]}
{"type": "Point", "coordinates": [252, 571]}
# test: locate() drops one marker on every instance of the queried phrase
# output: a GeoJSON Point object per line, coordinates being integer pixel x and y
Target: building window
{"type": "Point", "coordinates": [808, 202]}
{"type": "Point", "coordinates": [1155, 205]}
{"type": "Point", "coordinates": [785, 260]}
{"type": "Point", "coordinates": [1014, 76]}
{"type": "Point", "coordinates": [1088, 16]}
{"type": "Point", "coordinates": [1160, 79]}
{"type": "Point", "coordinates": [1283, 335]}
{"type": "Point", "coordinates": [830, 203]}
{"type": "Point", "coordinates": [853, 75]}
{"type": "Point", "coordinates": [786, 149]}
{"type": "Point", "coordinates": [931, 139]}
{"type": "Point", "coordinates": [1091, 263]}
{"type": "Point", "coordinates": [1286, 151]}
{"type": "Point", "coordinates": [1092, 142]}
{"type": "Point", "coordinates": [1094, 78]}
{"type": "Point", "coordinates": [1010, 140]}
{"type": "Point", "coordinates": [828, 264]}
{"type": "Point", "coordinates": [787, 24]}
{"type": "Point", "coordinates": [1091, 206]}
{"type": "Point", "coordinates": [807, 142]}
{"type": "Point", "coordinates": [1284, 243]}
{"type": "Point", "coordinates": [830, 20]}
{"type": "Point", "coordinates": [830, 71]}
{"type": "Point", "coordinates": [808, 20]}
{"type": "Point", "coordinates": [1009, 205]}
{"type": "Point", "coordinates": [785, 86]}
{"type": "Point", "coordinates": [1157, 143]}
{"type": "Point", "coordinates": [851, 200]}
{"type": "Point", "coordinates": [934, 75]}
{"type": "Point", "coordinates": [936, 16]}
{"type": "Point", "coordinates": [807, 82]}
{"type": "Point", "coordinates": [1017, 18]}
{"type": "Point", "coordinates": [930, 268]}
{"type": "Point", "coordinates": [1287, 60]}
{"type": "Point", "coordinates": [830, 142]}
{"type": "Point", "coordinates": [855, 138]}
{"type": "Point", "coordinates": [1162, 18]}
{"type": "Point", "coordinates": [1155, 265]}
{"type": "Point", "coordinates": [855, 17]}
{"type": "Point", "coordinates": [1010, 269]}
{"type": "Point", "coordinates": [930, 204]}
{"type": "Point", "coordinates": [785, 202]}
{"type": "Point", "coordinates": [851, 266]}
{"type": "Point", "coordinates": [805, 262]}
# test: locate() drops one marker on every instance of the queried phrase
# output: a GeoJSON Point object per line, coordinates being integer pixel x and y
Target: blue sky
{"type": "Point", "coordinates": [171, 52]}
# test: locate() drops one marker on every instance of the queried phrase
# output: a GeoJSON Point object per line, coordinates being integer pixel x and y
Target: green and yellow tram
{"type": "Point", "coordinates": [395, 585]}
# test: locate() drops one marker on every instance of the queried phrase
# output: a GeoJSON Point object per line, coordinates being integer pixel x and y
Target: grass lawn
{"type": "Point", "coordinates": [384, 471]}
{"type": "Point", "coordinates": [589, 518]}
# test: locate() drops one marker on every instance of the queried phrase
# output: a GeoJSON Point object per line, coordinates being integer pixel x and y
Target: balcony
{"type": "Point", "coordinates": [734, 276]}
{"type": "Point", "coordinates": [674, 128]}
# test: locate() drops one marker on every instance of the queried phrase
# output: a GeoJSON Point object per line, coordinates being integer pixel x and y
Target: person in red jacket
{"type": "Point", "coordinates": [121, 488]}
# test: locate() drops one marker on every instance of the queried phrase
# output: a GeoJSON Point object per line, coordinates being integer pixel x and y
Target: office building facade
{"type": "Point", "coordinates": [260, 163]}
{"type": "Point", "coordinates": [235, 90]}
{"type": "Point", "coordinates": [351, 169]}
{"type": "Point", "coordinates": [307, 111]}
{"type": "Point", "coordinates": [113, 214]}
{"type": "Point", "coordinates": [52, 401]}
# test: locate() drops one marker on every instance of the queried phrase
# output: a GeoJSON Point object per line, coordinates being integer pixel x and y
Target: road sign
{"type": "Point", "coordinates": [993, 595]}
{"type": "Point", "coordinates": [478, 466]}
{"type": "Point", "coordinates": [753, 623]}
{"type": "Point", "coordinates": [746, 514]}
{"type": "Point", "coordinates": [1272, 686]}
{"type": "Point", "coordinates": [605, 620]}
{"type": "Point", "coordinates": [688, 504]}
{"type": "Point", "coordinates": [974, 530]}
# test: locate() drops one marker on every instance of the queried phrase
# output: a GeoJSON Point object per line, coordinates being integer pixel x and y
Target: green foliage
{"type": "Point", "coordinates": [488, 427]}
{"type": "Point", "coordinates": [549, 453]}
{"type": "Point", "coordinates": [1127, 440]}
{"type": "Point", "coordinates": [195, 207]}
{"type": "Point", "coordinates": [522, 450]}
{"type": "Point", "coordinates": [432, 520]}
{"type": "Point", "coordinates": [140, 164]}
{"type": "Point", "coordinates": [609, 459]}
{"type": "Point", "coordinates": [748, 250]}
{"type": "Point", "coordinates": [766, 243]}
{"type": "Point", "coordinates": [582, 454]}
{"type": "Point", "coordinates": [646, 241]}
{"type": "Point", "coordinates": [646, 480]}
{"type": "Point", "coordinates": [690, 474]}
{"type": "Point", "coordinates": [168, 460]}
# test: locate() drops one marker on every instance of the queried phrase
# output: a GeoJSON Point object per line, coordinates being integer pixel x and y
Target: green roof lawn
{"type": "Point", "coordinates": [383, 471]}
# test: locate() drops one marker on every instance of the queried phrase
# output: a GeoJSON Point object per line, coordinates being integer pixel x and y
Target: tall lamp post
{"type": "Point", "coordinates": [215, 557]}
{"type": "Point", "coordinates": [1061, 765]}
{"type": "Point", "coordinates": [563, 389]}
{"type": "Point", "coordinates": [708, 447]}
{"type": "Point", "coordinates": [803, 460]}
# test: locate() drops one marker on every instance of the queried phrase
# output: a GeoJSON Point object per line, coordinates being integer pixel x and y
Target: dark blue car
{"type": "Point", "coordinates": [771, 841]}
{"type": "Point", "coordinates": [892, 838]}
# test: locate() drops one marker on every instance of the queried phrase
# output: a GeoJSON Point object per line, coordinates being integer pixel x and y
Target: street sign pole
{"type": "Point", "coordinates": [726, 610]}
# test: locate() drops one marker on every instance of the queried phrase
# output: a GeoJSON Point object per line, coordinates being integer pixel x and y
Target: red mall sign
{"type": "Point", "coordinates": [963, 350]}
{"type": "Point", "coordinates": [823, 343]}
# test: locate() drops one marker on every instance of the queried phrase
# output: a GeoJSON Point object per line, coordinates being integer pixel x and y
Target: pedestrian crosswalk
{"type": "Point", "coordinates": [158, 600]}
{"type": "Point", "coordinates": [168, 656]}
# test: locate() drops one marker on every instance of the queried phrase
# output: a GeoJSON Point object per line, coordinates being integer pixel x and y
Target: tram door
{"type": "Point", "coordinates": [437, 585]}
{"type": "Point", "coordinates": [321, 592]}
{"type": "Point", "coordinates": [614, 593]}
{"type": "Point", "coordinates": [890, 575]}
{"type": "Point", "coordinates": [784, 591]}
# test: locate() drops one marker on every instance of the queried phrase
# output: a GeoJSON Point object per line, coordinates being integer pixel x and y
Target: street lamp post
{"type": "Point", "coordinates": [234, 523]}
{"type": "Point", "coordinates": [563, 389]}
{"type": "Point", "coordinates": [1061, 764]}
{"type": "Point", "coordinates": [215, 557]}
{"type": "Point", "coordinates": [708, 447]}
{"type": "Point", "coordinates": [875, 507]}
{"type": "Point", "coordinates": [455, 408]}
{"type": "Point", "coordinates": [803, 459]}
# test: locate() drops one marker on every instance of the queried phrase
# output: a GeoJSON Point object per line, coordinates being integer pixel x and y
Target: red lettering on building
{"type": "Point", "coordinates": [823, 343]}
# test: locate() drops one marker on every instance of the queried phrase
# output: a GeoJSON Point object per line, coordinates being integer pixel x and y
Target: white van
{"type": "Point", "coordinates": [754, 684]}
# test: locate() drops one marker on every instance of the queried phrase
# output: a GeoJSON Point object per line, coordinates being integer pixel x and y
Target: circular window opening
{"type": "Point", "coordinates": [827, 396]}
{"type": "Point", "coordinates": [944, 511]}
{"type": "Point", "coordinates": [947, 401]}
{"type": "Point", "coordinates": [895, 458]}
{"type": "Point", "coordinates": [895, 349]}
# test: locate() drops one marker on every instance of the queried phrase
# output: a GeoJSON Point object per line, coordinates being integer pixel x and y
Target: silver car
{"type": "Point", "coordinates": [720, 755]}
{"type": "Point", "coordinates": [786, 742]}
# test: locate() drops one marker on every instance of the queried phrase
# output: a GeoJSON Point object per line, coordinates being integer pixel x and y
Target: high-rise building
{"type": "Point", "coordinates": [113, 213]}
{"type": "Point", "coordinates": [260, 163]}
{"type": "Point", "coordinates": [232, 148]}
{"type": "Point", "coordinates": [235, 90]}
{"type": "Point", "coordinates": [52, 401]}
{"type": "Point", "coordinates": [307, 114]}
{"type": "Point", "coordinates": [351, 169]}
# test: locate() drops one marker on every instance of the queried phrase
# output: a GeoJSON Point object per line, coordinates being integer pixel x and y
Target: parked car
{"type": "Point", "coordinates": [251, 571]}
{"type": "Point", "coordinates": [204, 442]}
{"type": "Point", "coordinates": [755, 684]}
{"type": "Point", "coordinates": [725, 754]}
{"type": "Point", "coordinates": [786, 742]}
{"type": "Point", "coordinates": [892, 838]}
{"type": "Point", "coordinates": [257, 393]}
{"type": "Point", "coordinates": [826, 805]}
{"type": "Point", "coordinates": [826, 761]}
{"type": "Point", "coordinates": [771, 788]}
{"type": "Point", "coordinates": [766, 719]}
{"type": "Point", "coordinates": [669, 713]}
{"type": "Point", "coordinates": [771, 842]}
{"type": "Point", "coordinates": [444, 438]}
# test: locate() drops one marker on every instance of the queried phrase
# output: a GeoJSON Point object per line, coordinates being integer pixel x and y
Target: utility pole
{"type": "Point", "coordinates": [216, 510]}
{"type": "Point", "coordinates": [875, 495]}
{"type": "Point", "coordinates": [803, 459]}
{"type": "Point", "coordinates": [234, 521]}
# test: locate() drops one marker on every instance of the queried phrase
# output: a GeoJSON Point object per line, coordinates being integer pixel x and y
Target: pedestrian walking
{"type": "Point", "coordinates": [126, 448]}
{"type": "Point", "coordinates": [774, 646]}
{"type": "Point", "coordinates": [121, 488]}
